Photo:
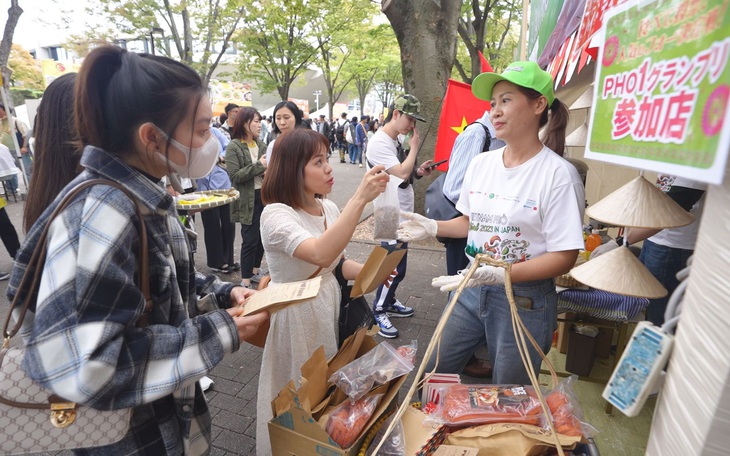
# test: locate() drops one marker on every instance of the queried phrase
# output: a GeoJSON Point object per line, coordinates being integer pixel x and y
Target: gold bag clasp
{"type": "Point", "coordinates": [63, 414]}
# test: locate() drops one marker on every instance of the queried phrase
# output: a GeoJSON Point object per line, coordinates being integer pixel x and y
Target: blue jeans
{"type": "Point", "coordinates": [664, 263]}
{"type": "Point", "coordinates": [352, 149]}
{"type": "Point", "coordinates": [482, 315]}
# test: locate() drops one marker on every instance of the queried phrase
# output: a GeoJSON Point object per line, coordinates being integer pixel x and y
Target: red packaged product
{"type": "Point", "coordinates": [347, 421]}
{"type": "Point", "coordinates": [483, 404]}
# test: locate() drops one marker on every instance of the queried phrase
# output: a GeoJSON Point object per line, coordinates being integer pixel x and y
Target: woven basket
{"type": "Point", "coordinates": [567, 281]}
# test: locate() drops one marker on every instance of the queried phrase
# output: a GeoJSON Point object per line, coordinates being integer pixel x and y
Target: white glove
{"type": "Point", "coordinates": [604, 248]}
{"type": "Point", "coordinates": [484, 275]}
{"type": "Point", "coordinates": [416, 227]}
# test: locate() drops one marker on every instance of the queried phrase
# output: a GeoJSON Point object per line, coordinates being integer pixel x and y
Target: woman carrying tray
{"type": "Point", "coordinates": [522, 204]}
{"type": "Point", "coordinates": [304, 234]}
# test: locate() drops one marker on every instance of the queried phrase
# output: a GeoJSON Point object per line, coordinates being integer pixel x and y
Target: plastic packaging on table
{"type": "Point", "coordinates": [566, 412]}
{"type": "Point", "coordinates": [376, 367]}
{"type": "Point", "coordinates": [487, 404]}
{"type": "Point", "coordinates": [394, 445]}
{"type": "Point", "coordinates": [483, 404]}
{"type": "Point", "coordinates": [386, 212]}
{"type": "Point", "coordinates": [347, 420]}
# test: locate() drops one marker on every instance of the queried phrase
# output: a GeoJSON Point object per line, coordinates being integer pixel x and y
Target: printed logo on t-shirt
{"type": "Point", "coordinates": [494, 196]}
{"type": "Point", "coordinates": [664, 182]}
{"type": "Point", "coordinates": [530, 204]}
{"type": "Point", "coordinates": [503, 245]}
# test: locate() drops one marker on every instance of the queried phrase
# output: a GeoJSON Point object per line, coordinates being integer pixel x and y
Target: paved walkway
{"type": "Point", "coordinates": [233, 395]}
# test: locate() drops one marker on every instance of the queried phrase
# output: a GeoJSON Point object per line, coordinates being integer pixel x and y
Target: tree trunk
{"type": "Point", "coordinates": [426, 33]}
{"type": "Point", "coordinates": [14, 13]}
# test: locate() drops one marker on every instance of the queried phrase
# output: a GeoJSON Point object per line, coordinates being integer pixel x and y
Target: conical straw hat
{"type": "Point", "coordinates": [639, 204]}
{"type": "Point", "coordinates": [583, 101]}
{"type": "Point", "coordinates": [620, 272]}
{"type": "Point", "coordinates": [578, 137]}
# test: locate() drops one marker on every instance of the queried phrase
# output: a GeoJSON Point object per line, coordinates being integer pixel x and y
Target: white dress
{"type": "Point", "coordinates": [297, 331]}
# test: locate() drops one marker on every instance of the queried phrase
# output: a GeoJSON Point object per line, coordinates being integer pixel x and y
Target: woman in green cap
{"type": "Point", "coordinates": [522, 204]}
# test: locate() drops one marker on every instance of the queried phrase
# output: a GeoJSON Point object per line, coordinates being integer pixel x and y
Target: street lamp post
{"type": "Point", "coordinates": [317, 93]}
{"type": "Point", "coordinates": [152, 37]}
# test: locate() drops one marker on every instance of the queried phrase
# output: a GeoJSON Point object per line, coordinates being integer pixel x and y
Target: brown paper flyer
{"type": "Point", "coordinates": [277, 296]}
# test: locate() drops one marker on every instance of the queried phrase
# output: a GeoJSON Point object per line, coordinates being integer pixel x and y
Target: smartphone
{"type": "Point", "coordinates": [437, 164]}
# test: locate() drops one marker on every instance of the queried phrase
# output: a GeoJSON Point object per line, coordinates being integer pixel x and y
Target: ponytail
{"type": "Point", "coordinates": [554, 136]}
{"type": "Point", "coordinates": [93, 79]}
{"type": "Point", "coordinates": [117, 91]}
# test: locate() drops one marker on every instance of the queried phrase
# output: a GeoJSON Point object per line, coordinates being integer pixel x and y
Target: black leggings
{"type": "Point", "coordinates": [252, 250]}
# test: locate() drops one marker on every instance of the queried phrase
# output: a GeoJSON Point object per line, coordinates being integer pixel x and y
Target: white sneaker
{"type": "Point", "coordinates": [387, 329]}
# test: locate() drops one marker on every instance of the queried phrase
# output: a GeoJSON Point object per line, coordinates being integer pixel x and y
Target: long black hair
{"type": "Point", "coordinates": [55, 157]}
{"type": "Point", "coordinates": [117, 91]}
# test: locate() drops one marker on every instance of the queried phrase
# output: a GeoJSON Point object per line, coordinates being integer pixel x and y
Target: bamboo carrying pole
{"type": "Point", "coordinates": [520, 333]}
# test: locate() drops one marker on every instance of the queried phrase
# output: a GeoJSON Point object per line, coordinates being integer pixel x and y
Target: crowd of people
{"type": "Point", "coordinates": [144, 121]}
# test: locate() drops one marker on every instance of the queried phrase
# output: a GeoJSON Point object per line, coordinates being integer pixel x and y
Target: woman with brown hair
{"type": "Point", "coordinates": [246, 163]}
{"type": "Point", "coordinates": [304, 234]}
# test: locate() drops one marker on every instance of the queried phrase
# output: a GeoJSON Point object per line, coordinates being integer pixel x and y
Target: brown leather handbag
{"type": "Point", "coordinates": [32, 418]}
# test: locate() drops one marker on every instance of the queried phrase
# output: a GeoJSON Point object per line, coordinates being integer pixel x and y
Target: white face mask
{"type": "Point", "coordinates": [199, 160]}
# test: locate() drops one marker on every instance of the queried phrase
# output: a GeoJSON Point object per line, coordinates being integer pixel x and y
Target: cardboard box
{"type": "Point", "coordinates": [295, 430]}
{"type": "Point", "coordinates": [451, 450]}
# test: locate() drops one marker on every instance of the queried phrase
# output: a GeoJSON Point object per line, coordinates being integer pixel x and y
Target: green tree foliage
{"type": "Point", "coordinates": [197, 32]}
{"type": "Point", "coordinates": [26, 72]}
{"type": "Point", "coordinates": [489, 26]}
{"type": "Point", "coordinates": [14, 13]}
{"type": "Point", "coordinates": [376, 62]}
{"type": "Point", "coordinates": [275, 42]}
{"type": "Point", "coordinates": [389, 82]}
{"type": "Point", "coordinates": [338, 35]}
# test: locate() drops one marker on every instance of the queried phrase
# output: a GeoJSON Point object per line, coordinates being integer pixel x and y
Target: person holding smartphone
{"type": "Point", "coordinates": [385, 149]}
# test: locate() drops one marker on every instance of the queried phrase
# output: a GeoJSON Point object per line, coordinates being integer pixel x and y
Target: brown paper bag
{"type": "Point", "coordinates": [377, 268]}
{"type": "Point", "coordinates": [509, 439]}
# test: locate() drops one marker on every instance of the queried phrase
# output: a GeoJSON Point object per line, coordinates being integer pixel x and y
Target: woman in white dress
{"type": "Point", "coordinates": [303, 232]}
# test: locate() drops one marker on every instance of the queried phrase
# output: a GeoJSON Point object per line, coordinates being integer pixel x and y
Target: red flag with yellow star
{"type": "Point", "coordinates": [460, 108]}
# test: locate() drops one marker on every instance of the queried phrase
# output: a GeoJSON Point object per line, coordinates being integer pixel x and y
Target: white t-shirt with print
{"type": "Point", "coordinates": [381, 150]}
{"type": "Point", "coordinates": [523, 212]}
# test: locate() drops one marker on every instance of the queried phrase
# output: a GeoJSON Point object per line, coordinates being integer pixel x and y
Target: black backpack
{"type": "Point", "coordinates": [340, 131]}
{"type": "Point", "coordinates": [488, 142]}
{"type": "Point", "coordinates": [437, 206]}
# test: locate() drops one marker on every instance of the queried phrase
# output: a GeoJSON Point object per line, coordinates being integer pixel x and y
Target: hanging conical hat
{"type": "Point", "coordinates": [578, 137]}
{"type": "Point", "coordinates": [583, 101]}
{"type": "Point", "coordinates": [639, 204]}
{"type": "Point", "coordinates": [620, 272]}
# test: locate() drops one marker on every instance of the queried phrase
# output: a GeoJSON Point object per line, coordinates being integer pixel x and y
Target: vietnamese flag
{"type": "Point", "coordinates": [460, 108]}
{"type": "Point", "coordinates": [486, 67]}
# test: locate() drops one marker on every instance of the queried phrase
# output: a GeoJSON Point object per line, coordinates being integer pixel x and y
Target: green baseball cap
{"type": "Point", "coordinates": [408, 104]}
{"type": "Point", "coordinates": [523, 74]}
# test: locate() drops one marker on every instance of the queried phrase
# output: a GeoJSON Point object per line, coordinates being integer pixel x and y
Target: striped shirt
{"type": "Point", "coordinates": [468, 145]}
